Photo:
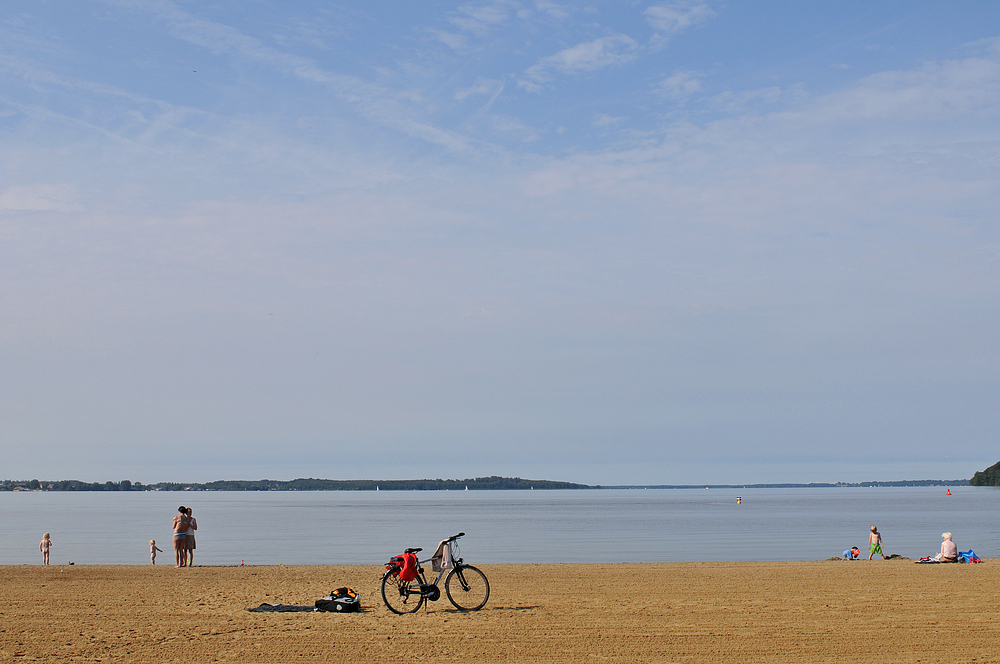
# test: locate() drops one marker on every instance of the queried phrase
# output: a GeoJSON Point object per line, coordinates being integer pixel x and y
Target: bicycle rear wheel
{"type": "Point", "coordinates": [467, 588]}
{"type": "Point", "coordinates": [401, 596]}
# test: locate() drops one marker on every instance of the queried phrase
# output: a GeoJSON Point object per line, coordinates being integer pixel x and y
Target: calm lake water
{"type": "Point", "coordinates": [591, 526]}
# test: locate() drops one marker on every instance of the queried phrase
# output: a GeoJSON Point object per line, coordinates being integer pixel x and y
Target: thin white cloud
{"type": "Point", "coordinates": [452, 40]}
{"type": "Point", "coordinates": [939, 90]}
{"type": "Point", "coordinates": [479, 19]}
{"type": "Point", "coordinates": [371, 100]}
{"type": "Point", "coordinates": [36, 74]}
{"type": "Point", "coordinates": [139, 127]}
{"type": "Point", "coordinates": [679, 86]}
{"type": "Point", "coordinates": [989, 45]}
{"type": "Point", "coordinates": [605, 120]}
{"type": "Point", "coordinates": [738, 101]}
{"type": "Point", "coordinates": [675, 17]}
{"type": "Point", "coordinates": [671, 18]}
{"type": "Point", "coordinates": [483, 86]}
{"type": "Point", "coordinates": [552, 9]}
{"type": "Point", "coordinates": [513, 127]}
{"type": "Point", "coordinates": [585, 57]}
{"type": "Point", "coordinates": [588, 56]}
{"type": "Point", "coordinates": [39, 198]}
{"type": "Point", "coordinates": [938, 113]}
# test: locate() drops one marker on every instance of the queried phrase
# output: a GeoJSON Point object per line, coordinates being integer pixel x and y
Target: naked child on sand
{"type": "Point", "coordinates": [44, 547]}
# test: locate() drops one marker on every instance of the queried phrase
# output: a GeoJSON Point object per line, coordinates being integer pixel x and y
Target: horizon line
{"type": "Point", "coordinates": [43, 485]}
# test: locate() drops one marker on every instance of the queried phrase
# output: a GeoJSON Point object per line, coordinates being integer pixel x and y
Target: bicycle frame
{"type": "Point", "coordinates": [455, 563]}
{"type": "Point", "coordinates": [423, 579]}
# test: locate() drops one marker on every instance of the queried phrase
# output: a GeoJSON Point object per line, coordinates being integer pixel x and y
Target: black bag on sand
{"type": "Point", "coordinates": [341, 600]}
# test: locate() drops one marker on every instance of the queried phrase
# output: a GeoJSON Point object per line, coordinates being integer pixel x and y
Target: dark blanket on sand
{"type": "Point", "coordinates": [281, 608]}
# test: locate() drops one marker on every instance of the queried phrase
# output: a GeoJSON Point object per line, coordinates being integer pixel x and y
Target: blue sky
{"type": "Point", "coordinates": [631, 242]}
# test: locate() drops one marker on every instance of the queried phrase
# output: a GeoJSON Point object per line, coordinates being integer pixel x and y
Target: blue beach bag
{"type": "Point", "coordinates": [968, 556]}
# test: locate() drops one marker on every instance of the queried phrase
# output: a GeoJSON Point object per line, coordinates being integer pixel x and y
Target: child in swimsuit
{"type": "Point", "coordinates": [44, 546]}
{"type": "Point", "coordinates": [152, 551]}
{"type": "Point", "coordinates": [875, 544]}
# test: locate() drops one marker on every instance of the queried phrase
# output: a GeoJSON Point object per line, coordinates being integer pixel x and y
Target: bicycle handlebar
{"type": "Point", "coordinates": [450, 539]}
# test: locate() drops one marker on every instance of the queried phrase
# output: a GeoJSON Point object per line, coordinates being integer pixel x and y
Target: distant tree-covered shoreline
{"type": "Point", "coordinates": [493, 483]}
{"type": "Point", "coordinates": [989, 477]}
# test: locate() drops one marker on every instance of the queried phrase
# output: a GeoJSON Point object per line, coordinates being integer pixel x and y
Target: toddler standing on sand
{"type": "Point", "coordinates": [44, 546]}
{"type": "Point", "coordinates": [152, 551]}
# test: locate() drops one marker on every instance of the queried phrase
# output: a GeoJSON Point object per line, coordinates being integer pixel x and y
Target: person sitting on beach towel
{"type": "Point", "coordinates": [949, 550]}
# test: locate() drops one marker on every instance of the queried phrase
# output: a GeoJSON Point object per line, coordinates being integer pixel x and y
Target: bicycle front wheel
{"type": "Point", "coordinates": [401, 596]}
{"type": "Point", "coordinates": [467, 588]}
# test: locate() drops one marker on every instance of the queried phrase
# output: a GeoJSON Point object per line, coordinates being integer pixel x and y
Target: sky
{"type": "Point", "coordinates": [632, 242]}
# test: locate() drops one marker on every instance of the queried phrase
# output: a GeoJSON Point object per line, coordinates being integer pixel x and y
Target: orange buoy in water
{"type": "Point", "coordinates": [739, 500]}
{"type": "Point", "coordinates": [949, 492]}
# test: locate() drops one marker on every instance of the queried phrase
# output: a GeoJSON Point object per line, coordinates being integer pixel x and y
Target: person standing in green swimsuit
{"type": "Point", "coordinates": [875, 544]}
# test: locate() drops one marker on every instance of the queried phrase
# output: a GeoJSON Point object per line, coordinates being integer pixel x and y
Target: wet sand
{"type": "Point", "coordinates": [829, 611]}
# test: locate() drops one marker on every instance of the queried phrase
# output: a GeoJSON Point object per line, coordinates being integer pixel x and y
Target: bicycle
{"type": "Point", "coordinates": [466, 586]}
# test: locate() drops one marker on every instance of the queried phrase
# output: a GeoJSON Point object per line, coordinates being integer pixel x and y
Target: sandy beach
{"type": "Point", "coordinates": [824, 611]}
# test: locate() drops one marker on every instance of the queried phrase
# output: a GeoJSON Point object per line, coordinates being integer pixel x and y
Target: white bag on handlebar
{"type": "Point", "coordinates": [441, 560]}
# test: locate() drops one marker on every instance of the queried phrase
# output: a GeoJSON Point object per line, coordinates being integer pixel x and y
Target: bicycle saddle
{"type": "Point", "coordinates": [413, 550]}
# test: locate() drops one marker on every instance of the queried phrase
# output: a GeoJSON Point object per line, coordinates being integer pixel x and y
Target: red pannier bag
{"type": "Point", "coordinates": [409, 571]}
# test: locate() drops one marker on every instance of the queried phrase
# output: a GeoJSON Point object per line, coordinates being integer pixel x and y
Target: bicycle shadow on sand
{"type": "Point", "coordinates": [495, 608]}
